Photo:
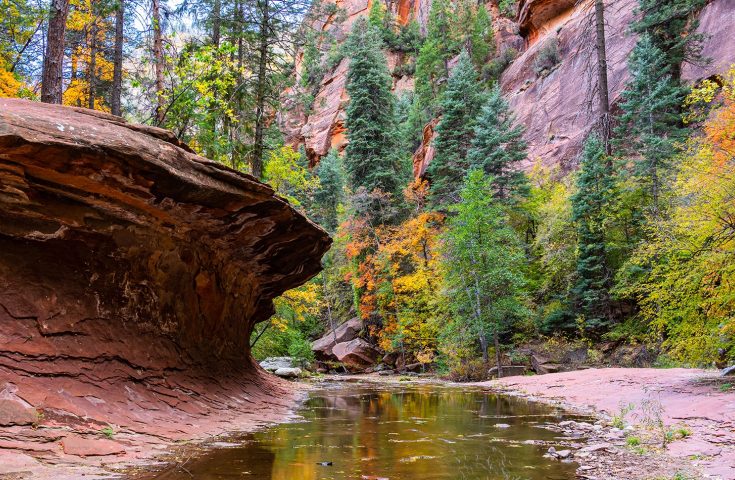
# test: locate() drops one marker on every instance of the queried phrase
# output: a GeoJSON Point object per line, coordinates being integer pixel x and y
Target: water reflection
{"type": "Point", "coordinates": [372, 433]}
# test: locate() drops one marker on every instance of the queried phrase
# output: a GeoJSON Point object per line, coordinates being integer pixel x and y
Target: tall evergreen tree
{"type": "Point", "coordinates": [432, 64]}
{"type": "Point", "coordinates": [670, 25]}
{"type": "Point", "coordinates": [650, 120]}
{"type": "Point", "coordinates": [460, 105]}
{"type": "Point", "coordinates": [589, 205]}
{"type": "Point", "coordinates": [498, 147]}
{"type": "Point", "coordinates": [474, 30]}
{"type": "Point", "coordinates": [484, 267]}
{"type": "Point", "coordinates": [328, 194]}
{"type": "Point", "coordinates": [370, 157]}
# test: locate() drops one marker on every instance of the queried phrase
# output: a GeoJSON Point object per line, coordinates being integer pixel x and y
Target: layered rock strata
{"type": "Point", "coordinates": [132, 272]}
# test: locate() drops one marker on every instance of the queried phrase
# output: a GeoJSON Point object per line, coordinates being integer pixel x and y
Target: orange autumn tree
{"type": "Point", "coordinates": [410, 300]}
{"type": "Point", "coordinates": [397, 279]}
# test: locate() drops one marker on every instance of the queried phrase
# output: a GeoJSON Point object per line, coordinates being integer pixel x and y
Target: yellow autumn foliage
{"type": "Point", "coordinates": [85, 21]}
{"type": "Point", "coordinates": [689, 294]}
{"type": "Point", "coordinates": [9, 85]}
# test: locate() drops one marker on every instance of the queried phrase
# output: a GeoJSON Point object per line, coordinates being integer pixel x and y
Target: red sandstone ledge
{"type": "Point", "coordinates": [132, 272]}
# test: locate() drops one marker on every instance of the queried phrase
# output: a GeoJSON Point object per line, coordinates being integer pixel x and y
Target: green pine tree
{"type": "Point", "coordinates": [432, 64]}
{"type": "Point", "coordinates": [670, 25]}
{"type": "Point", "coordinates": [650, 123]}
{"type": "Point", "coordinates": [460, 104]}
{"type": "Point", "coordinates": [370, 157]}
{"type": "Point", "coordinates": [328, 195]}
{"type": "Point", "coordinates": [475, 30]}
{"type": "Point", "coordinates": [498, 147]}
{"type": "Point", "coordinates": [484, 265]}
{"type": "Point", "coordinates": [589, 211]}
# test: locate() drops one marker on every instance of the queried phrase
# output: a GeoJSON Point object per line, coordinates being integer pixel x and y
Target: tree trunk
{"type": "Point", "coordinates": [216, 22]}
{"type": "Point", "coordinates": [605, 128]}
{"type": "Point", "coordinates": [483, 346]}
{"type": "Point", "coordinates": [53, 62]}
{"type": "Point", "coordinates": [496, 342]}
{"type": "Point", "coordinates": [158, 59]}
{"type": "Point", "coordinates": [73, 74]}
{"type": "Point", "coordinates": [117, 60]}
{"type": "Point", "coordinates": [478, 316]}
{"type": "Point", "coordinates": [261, 90]}
{"type": "Point", "coordinates": [329, 308]}
{"type": "Point", "coordinates": [92, 64]}
{"type": "Point", "coordinates": [234, 130]}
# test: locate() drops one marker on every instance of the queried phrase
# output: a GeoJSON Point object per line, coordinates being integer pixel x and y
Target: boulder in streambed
{"type": "Point", "coordinates": [507, 371]}
{"type": "Point", "coordinates": [346, 332]}
{"type": "Point", "coordinates": [271, 364]}
{"type": "Point", "coordinates": [729, 371]}
{"type": "Point", "coordinates": [285, 372]}
{"type": "Point", "coordinates": [356, 354]}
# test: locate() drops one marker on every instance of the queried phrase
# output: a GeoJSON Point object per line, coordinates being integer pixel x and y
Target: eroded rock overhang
{"type": "Point", "coordinates": [132, 271]}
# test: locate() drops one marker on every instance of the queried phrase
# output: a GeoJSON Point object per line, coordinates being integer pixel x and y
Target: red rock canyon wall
{"type": "Point", "coordinates": [554, 106]}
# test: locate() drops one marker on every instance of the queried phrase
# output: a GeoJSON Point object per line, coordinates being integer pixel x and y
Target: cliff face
{"type": "Point", "coordinates": [556, 105]}
{"type": "Point", "coordinates": [323, 128]}
{"type": "Point", "coordinates": [132, 272]}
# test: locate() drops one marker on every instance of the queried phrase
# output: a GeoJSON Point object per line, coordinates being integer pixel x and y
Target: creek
{"type": "Point", "coordinates": [396, 432]}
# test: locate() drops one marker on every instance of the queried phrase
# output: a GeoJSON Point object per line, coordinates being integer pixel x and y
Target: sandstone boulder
{"type": "Point", "coordinates": [356, 354]}
{"type": "Point", "coordinates": [412, 367]}
{"type": "Point", "coordinates": [542, 365]}
{"type": "Point", "coordinates": [344, 333]}
{"type": "Point", "coordinates": [132, 272]}
{"type": "Point", "coordinates": [390, 358]}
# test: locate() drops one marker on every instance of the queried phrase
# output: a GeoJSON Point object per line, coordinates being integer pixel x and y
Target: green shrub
{"type": "Point", "coordinates": [665, 361]}
{"type": "Point", "coordinates": [508, 8]}
{"type": "Point", "coordinates": [300, 347]}
{"type": "Point", "coordinates": [335, 55]}
{"type": "Point", "coordinates": [495, 68]}
{"type": "Point", "coordinates": [547, 56]}
{"type": "Point", "coordinates": [404, 69]}
{"type": "Point", "coordinates": [631, 330]}
{"type": "Point", "coordinates": [468, 371]}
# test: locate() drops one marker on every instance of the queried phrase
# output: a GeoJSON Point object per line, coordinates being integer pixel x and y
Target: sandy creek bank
{"type": "Point", "coordinates": [652, 403]}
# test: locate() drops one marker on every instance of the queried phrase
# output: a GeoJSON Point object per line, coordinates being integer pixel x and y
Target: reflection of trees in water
{"type": "Point", "coordinates": [258, 461]}
{"type": "Point", "coordinates": [406, 433]}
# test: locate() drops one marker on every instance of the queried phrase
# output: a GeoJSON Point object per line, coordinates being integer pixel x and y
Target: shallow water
{"type": "Point", "coordinates": [397, 433]}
